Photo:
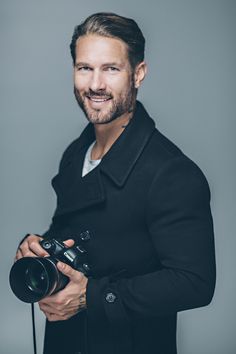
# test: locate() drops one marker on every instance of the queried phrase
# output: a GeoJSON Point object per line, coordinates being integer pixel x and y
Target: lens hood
{"type": "Point", "coordinates": [33, 278]}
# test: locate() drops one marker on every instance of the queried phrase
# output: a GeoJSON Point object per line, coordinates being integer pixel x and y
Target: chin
{"type": "Point", "coordinates": [99, 120]}
{"type": "Point", "coordinates": [99, 116]}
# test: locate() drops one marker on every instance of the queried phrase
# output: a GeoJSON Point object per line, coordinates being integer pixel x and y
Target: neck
{"type": "Point", "coordinates": [107, 134]}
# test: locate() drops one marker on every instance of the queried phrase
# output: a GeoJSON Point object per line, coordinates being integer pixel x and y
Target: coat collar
{"type": "Point", "coordinates": [75, 192]}
{"type": "Point", "coordinates": [122, 156]}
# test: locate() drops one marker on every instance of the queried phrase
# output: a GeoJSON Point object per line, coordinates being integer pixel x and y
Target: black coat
{"type": "Point", "coordinates": [143, 216]}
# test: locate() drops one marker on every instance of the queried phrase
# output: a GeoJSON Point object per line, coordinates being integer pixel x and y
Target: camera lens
{"type": "Point", "coordinates": [33, 278]}
{"type": "Point", "coordinates": [36, 278]}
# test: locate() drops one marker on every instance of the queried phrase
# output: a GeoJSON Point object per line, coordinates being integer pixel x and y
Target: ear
{"type": "Point", "coordinates": [140, 73]}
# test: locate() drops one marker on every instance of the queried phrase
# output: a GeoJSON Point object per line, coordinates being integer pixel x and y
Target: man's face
{"type": "Point", "coordinates": [103, 78]}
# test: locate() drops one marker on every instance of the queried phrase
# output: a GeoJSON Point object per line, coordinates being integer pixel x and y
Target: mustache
{"type": "Point", "coordinates": [100, 93]}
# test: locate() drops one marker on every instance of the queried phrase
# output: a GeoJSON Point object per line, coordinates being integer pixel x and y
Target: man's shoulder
{"type": "Point", "coordinates": [161, 149]}
{"type": "Point", "coordinates": [163, 155]}
{"type": "Point", "coordinates": [67, 154]}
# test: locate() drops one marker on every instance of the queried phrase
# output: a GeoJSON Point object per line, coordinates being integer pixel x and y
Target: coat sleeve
{"type": "Point", "coordinates": [180, 226]}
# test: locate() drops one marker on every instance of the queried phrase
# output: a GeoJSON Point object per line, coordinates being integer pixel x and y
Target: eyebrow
{"type": "Point", "coordinates": [79, 64]}
{"type": "Point", "coordinates": [113, 63]}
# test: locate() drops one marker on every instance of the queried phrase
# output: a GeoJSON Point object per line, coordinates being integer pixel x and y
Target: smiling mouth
{"type": "Point", "coordinates": [98, 99]}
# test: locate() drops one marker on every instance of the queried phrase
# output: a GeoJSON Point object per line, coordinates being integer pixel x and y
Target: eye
{"type": "Point", "coordinates": [83, 68]}
{"type": "Point", "coordinates": [112, 69]}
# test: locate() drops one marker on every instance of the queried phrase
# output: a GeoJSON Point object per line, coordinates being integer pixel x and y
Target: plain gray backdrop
{"type": "Point", "coordinates": [189, 91]}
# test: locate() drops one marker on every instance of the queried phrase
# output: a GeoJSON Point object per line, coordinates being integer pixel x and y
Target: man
{"type": "Point", "coordinates": [133, 201]}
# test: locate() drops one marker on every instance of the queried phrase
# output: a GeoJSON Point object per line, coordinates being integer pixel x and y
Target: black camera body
{"type": "Point", "coordinates": [33, 278]}
{"type": "Point", "coordinates": [73, 256]}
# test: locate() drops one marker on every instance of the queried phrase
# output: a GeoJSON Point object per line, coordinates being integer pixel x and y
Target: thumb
{"type": "Point", "coordinates": [70, 272]}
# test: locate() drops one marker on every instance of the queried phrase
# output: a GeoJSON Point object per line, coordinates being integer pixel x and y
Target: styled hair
{"type": "Point", "coordinates": [111, 25]}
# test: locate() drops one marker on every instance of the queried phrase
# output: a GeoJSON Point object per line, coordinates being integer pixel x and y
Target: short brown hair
{"type": "Point", "coordinates": [111, 25]}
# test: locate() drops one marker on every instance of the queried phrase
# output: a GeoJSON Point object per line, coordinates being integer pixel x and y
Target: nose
{"type": "Point", "coordinates": [97, 81]}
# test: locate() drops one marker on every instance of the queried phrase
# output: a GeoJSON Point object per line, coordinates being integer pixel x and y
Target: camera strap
{"type": "Point", "coordinates": [33, 326]}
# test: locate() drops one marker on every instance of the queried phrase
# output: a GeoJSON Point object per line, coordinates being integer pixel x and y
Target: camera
{"type": "Point", "coordinates": [33, 278]}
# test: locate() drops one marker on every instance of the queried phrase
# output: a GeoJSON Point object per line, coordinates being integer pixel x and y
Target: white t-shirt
{"type": "Point", "coordinates": [89, 164]}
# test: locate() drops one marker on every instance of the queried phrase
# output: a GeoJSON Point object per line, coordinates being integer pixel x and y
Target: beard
{"type": "Point", "coordinates": [124, 103]}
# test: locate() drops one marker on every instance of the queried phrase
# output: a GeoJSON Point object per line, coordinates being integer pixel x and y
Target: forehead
{"type": "Point", "coordinates": [91, 47]}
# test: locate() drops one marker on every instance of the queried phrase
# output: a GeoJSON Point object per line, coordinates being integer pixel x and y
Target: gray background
{"type": "Point", "coordinates": [189, 90]}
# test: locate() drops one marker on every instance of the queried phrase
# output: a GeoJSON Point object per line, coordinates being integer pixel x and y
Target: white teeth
{"type": "Point", "coordinates": [98, 99]}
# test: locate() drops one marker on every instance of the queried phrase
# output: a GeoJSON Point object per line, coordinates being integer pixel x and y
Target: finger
{"type": "Point", "coordinates": [60, 308]}
{"type": "Point", "coordinates": [23, 248]}
{"type": "Point", "coordinates": [49, 301]}
{"type": "Point", "coordinates": [61, 311]}
{"type": "Point", "coordinates": [54, 317]}
{"type": "Point", "coordinates": [28, 254]}
{"type": "Point", "coordinates": [53, 301]}
{"type": "Point", "coordinates": [25, 251]}
{"type": "Point", "coordinates": [35, 247]}
{"type": "Point", "coordinates": [31, 241]}
{"type": "Point", "coordinates": [18, 255]}
{"type": "Point", "coordinates": [51, 316]}
{"type": "Point", "coordinates": [51, 309]}
{"type": "Point", "coordinates": [69, 243]}
{"type": "Point", "coordinates": [71, 273]}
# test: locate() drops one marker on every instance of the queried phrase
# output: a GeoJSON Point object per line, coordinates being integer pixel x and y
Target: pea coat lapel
{"type": "Point", "coordinates": [123, 155]}
{"type": "Point", "coordinates": [75, 192]}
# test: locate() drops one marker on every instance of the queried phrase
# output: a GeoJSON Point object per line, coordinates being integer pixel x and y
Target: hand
{"type": "Point", "coordinates": [69, 301]}
{"type": "Point", "coordinates": [30, 247]}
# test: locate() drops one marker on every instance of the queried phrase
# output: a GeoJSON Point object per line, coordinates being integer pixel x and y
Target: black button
{"type": "Point", "coordinates": [80, 249]}
{"type": "Point", "coordinates": [86, 267]}
{"type": "Point", "coordinates": [85, 235]}
{"type": "Point", "coordinates": [110, 297]}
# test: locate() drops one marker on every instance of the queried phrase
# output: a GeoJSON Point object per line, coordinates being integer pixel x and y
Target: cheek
{"type": "Point", "coordinates": [80, 83]}
{"type": "Point", "coordinates": [119, 85]}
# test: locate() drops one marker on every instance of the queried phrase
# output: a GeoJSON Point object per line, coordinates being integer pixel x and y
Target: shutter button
{"type": "Point", "coordinates": [85, 235]}
{"type": "Point", "coordinates": [110, 297]}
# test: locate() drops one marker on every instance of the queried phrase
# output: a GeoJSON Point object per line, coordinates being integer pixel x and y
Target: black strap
{"type": "Point", "coordinates": [34, 331]}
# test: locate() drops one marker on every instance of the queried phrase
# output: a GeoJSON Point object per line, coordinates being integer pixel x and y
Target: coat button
{"type": "Point", "coordinates": [85, 235]}
{"type": "Point", "coordinates": [110, 297]}
{"type": "Point", "coordinates": [86, 267]}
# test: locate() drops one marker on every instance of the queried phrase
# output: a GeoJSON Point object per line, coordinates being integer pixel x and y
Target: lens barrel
{"type": "Point", "coordinates": [33, 278]}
